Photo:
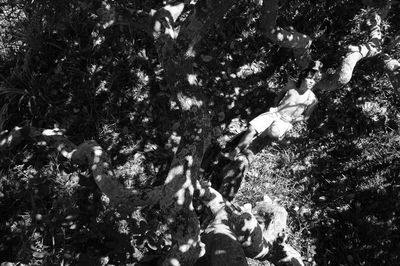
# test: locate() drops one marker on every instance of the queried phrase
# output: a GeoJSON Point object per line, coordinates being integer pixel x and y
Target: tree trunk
{"type": "Point", "coordinates": [176, 53]}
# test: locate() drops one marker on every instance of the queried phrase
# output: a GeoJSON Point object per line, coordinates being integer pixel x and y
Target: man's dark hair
{"type": "Point", "coordinates": [313, 71]}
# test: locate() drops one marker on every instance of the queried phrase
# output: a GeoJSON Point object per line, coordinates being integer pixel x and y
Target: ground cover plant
{"type": "Point", "coordinates": [112, 113]}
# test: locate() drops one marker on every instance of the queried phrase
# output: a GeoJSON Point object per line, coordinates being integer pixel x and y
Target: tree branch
{"type": "Point", "coordinates": [87, 154]}
{"type": "Point", "coordinates": [300, 43]}
{"type": "Point", "coordinates": [343, 74]}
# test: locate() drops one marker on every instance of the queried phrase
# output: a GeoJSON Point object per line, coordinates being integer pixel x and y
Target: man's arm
{"type": "Point", "coordinates": [310, 109]}
{"type": "Point", "coordinates": [284, 100]}
{"type": "Point", "coordinates": [282, 94]}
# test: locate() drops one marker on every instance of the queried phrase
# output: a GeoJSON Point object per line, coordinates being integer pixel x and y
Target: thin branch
{"type": "Point", "coordinates": [299, 42]}
{"type": "Point", "coordinates": [87, 154]}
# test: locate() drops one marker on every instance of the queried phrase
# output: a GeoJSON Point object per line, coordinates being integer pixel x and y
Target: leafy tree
{"type": "Point", "coordinates": [98, 69]}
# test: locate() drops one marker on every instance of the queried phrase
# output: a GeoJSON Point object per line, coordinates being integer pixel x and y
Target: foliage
{"type": "Point", "coordinates": [62, 64]}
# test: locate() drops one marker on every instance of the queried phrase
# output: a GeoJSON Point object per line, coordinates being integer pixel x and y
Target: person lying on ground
{"type": "Point", "coordinates": [297, 105]}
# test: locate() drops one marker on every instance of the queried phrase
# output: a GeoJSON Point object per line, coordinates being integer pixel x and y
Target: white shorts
{"type": "Point", "coordinates": [273, 120]}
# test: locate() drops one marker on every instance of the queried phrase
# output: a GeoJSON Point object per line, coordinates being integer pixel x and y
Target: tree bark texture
{"type": "Point", "coordinates": [176, 53]}
{"type": "Point", "coordinates": [355, 53]}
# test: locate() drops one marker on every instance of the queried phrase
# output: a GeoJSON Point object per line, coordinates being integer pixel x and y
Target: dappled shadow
{"type": "Point", "coordinates": [102, 83]}
{"type": "Point", "coordinates": [227, 248]}
{"type": "Point", "coordinates": [357, 222]}
{"type": "Point", "coordinates": [350, 171]}
{"type": "Point", "coordinates": [105, 83]}
{"type": "Point", "coordinates": [344, 165]}
{"type": "Point", "coordinates": [363, 231]}
{"type": "Point", "coordinates": [51, 212]}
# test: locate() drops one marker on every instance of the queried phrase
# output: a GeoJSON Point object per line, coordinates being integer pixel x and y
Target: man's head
{"type": "Point", "coordinates": [309, 76]}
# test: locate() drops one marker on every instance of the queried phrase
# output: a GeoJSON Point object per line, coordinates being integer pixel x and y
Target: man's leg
{"type": "Point", "coordinates": [244, 142]}
{"type": "Point", "coordinates": [278, 129]}
{"type": "Point", "coordinates": [257, 125]}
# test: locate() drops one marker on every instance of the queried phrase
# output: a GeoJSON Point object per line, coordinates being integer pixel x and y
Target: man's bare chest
{"type": "Point", "coordinates": [300, 99]}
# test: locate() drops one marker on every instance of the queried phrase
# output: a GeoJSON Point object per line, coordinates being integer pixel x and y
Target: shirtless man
{"type": "Point", "coordinates": [297, 105]}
